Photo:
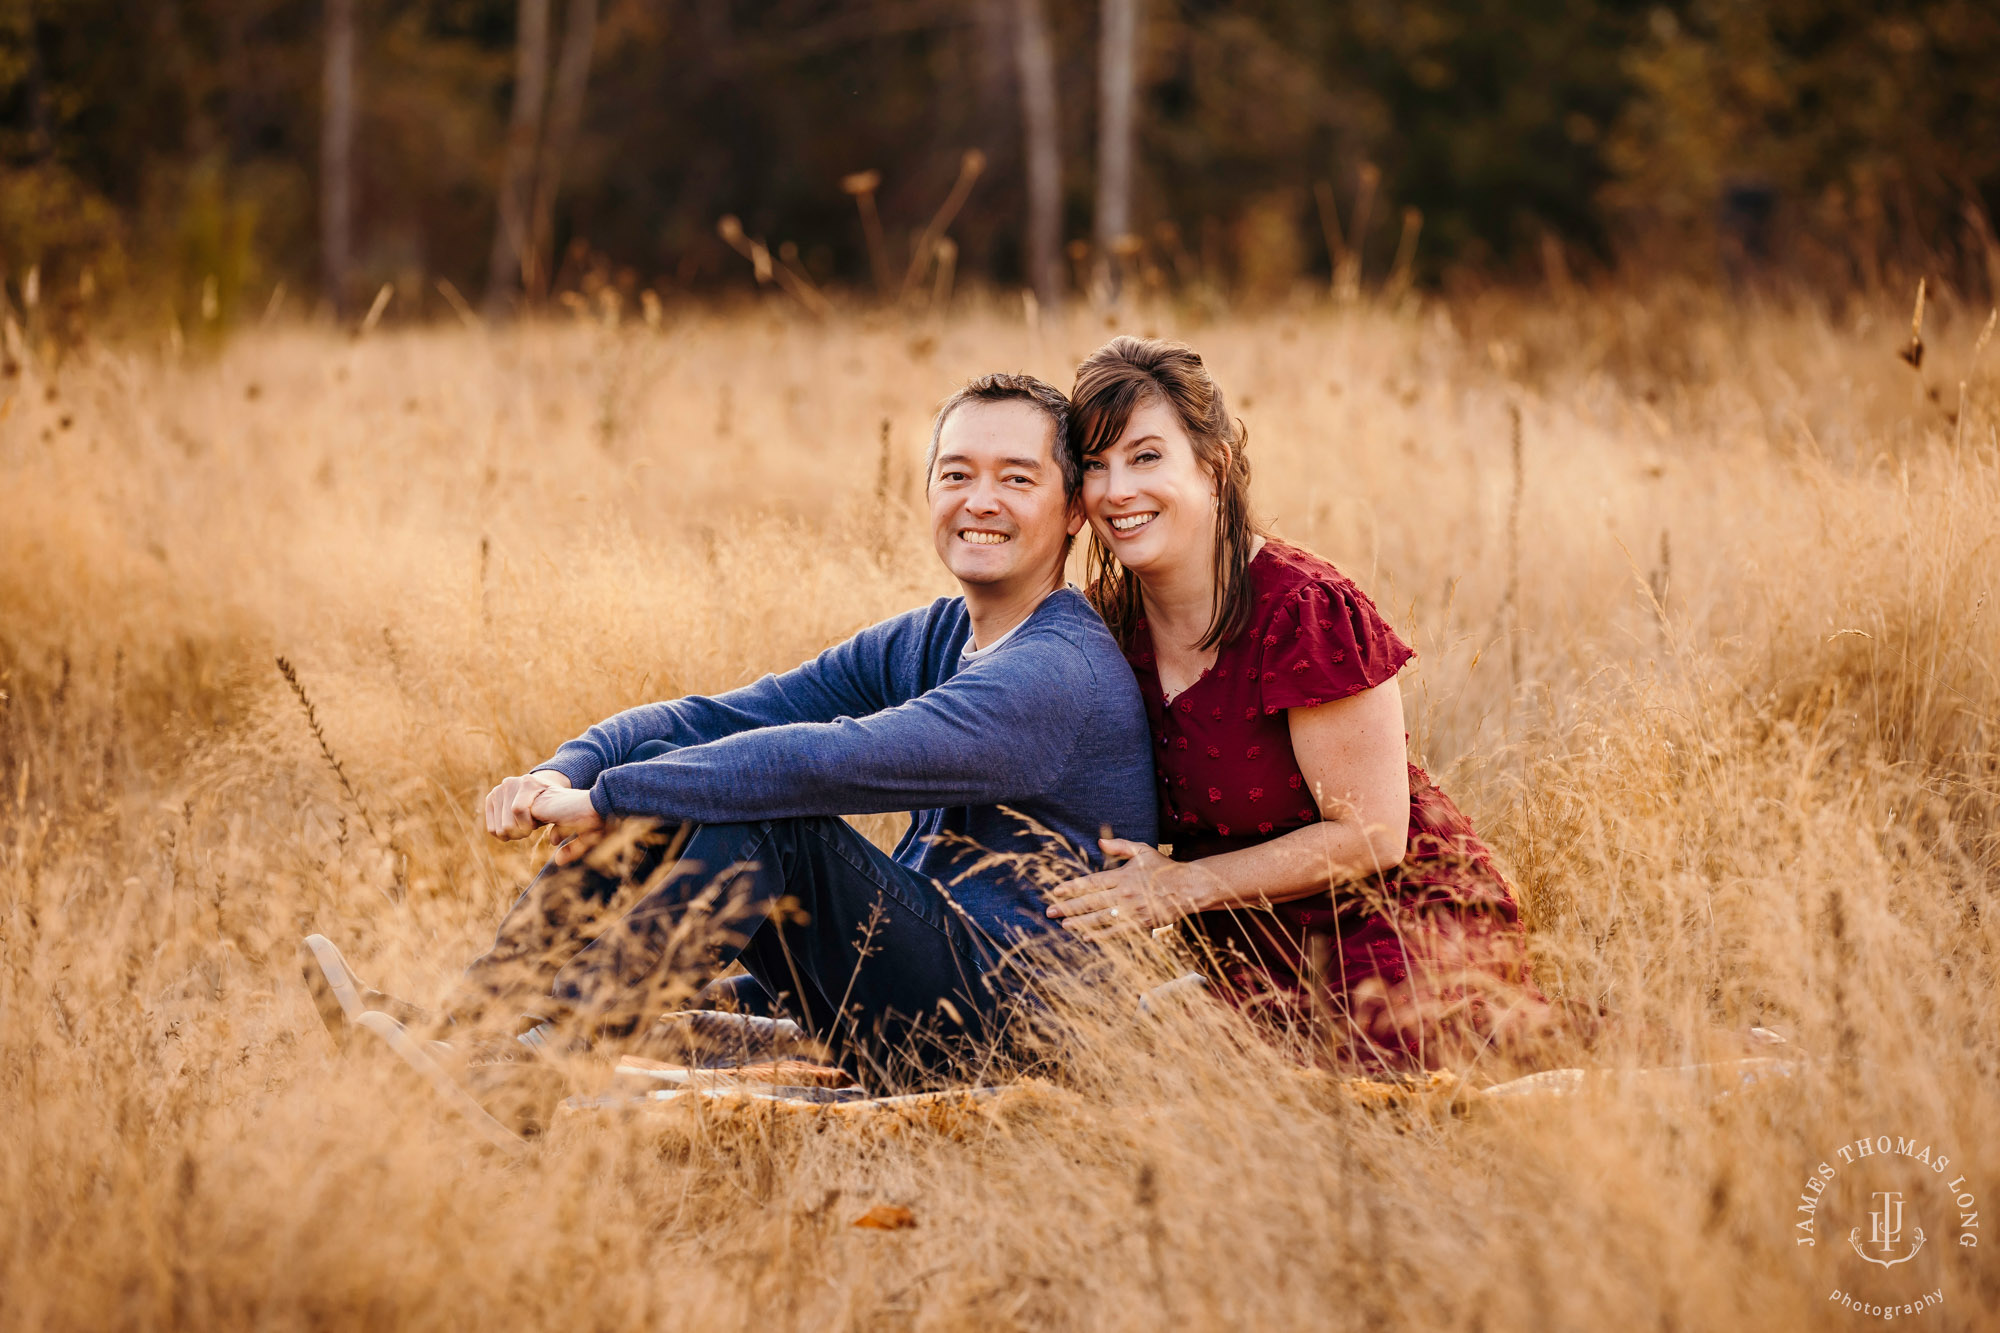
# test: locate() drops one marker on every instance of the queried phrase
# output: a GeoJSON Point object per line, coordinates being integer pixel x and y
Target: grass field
{"type": "Point", "coordinates": [1708, 649]}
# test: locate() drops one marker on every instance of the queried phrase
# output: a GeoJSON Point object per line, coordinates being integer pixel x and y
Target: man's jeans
{"type": "Point", "coordinates": [862, 951]}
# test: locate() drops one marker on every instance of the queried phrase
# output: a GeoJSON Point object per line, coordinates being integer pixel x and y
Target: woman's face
{"type": "Point", "coordinates": [1147, 496]}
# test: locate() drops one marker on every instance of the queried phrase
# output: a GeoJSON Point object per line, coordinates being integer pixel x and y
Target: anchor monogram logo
{"type": "Point", "coordinates": [1885, 1230]}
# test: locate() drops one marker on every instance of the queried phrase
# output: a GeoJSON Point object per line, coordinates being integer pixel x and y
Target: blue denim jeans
{"type": "Point", "coordinates": [863, 952]}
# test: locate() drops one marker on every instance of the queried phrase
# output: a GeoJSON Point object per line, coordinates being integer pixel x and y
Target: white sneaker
{"type": "Point", "coordinates": [417, 1056]}
{"type": "Point", "coordinates": [340, 996]}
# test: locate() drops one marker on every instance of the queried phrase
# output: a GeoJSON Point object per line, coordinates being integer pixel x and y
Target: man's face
{"type": "Point", "coordinates": [998, 513]}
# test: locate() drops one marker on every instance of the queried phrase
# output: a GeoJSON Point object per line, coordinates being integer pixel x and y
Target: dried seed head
{"type": "Point", "coordinates": [1914, 353]}
{"type": "Point", "coordinates": [1985, 334]}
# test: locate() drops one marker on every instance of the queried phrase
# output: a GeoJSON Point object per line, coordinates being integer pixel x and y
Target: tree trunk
{"type": "Point", "coordinates": [336, 153]}
{"type": "Point", "coordinates": [1117, 60]}
{"type": "Point", "coordinates": [996, 73]}
{"type": "Point", "coordinates": [524, 133]}
{"type": "Point", "coordinates": [1036, 55]}
{"type": "Point", "coordinates": [565, 116]}
{"type": "Point", "coordinates": [41, 137]}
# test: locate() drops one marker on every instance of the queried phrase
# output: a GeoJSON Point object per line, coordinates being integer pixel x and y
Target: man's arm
{"type": "Point", "coordinates": [850, 679]}
{"type": "Point", "coordinates": [1000, 730]}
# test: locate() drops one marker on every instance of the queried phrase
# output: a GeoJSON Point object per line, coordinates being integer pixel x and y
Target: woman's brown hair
{"type": "Point", "coordinates": [1114, 382]}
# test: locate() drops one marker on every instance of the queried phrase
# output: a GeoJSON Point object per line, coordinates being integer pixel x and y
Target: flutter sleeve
{"type": "Point", "coordinates": [1326, 641]}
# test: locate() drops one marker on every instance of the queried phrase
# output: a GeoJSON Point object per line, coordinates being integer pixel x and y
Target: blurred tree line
{"type": "Point", "coordinates": [175, 149]}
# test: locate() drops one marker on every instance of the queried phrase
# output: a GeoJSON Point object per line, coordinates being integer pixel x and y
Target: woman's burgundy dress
{"type": "Point", "coordinates": [1405, 968]}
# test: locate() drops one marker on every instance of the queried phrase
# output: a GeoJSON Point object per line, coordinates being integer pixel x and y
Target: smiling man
{"type": "Point", "coordinates": [1003, 720]}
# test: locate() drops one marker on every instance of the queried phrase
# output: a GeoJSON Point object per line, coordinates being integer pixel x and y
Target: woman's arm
{"type": "Point", "coordinates": [1354, 758]}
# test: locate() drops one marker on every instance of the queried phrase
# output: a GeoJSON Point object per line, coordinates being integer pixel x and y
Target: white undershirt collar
{"type": "Point", "coordinates": [971, 654]}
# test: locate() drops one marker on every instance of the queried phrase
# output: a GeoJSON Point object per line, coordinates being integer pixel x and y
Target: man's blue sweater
{"type": "Point", "coordinates": [1043, 735]}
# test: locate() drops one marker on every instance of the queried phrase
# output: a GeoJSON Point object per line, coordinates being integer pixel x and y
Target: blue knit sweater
{"type": "Point", "coordinates": [1034, 747]}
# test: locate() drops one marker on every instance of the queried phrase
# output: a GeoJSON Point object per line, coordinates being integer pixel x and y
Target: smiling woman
{"type": "Point", "coordinates": [1329, 882]}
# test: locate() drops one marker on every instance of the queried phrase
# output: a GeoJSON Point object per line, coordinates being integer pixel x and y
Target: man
{"type": "Point", "coordinates": [1003, 719]}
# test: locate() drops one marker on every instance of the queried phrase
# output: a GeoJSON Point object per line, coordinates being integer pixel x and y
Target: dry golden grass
{"type": "Point", "coordinates": [1725, 703]}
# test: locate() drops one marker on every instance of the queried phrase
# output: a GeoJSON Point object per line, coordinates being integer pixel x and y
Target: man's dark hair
{"type": "Point", "coordinates": [1022, 389]}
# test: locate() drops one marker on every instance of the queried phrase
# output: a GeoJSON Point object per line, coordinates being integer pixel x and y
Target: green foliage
{"type": "Point", "coordinates": [49, 218]}
{"type": "Point", "coordinates": [1875, 125]}
{"type": "Point", "coordinates": [173, 148]}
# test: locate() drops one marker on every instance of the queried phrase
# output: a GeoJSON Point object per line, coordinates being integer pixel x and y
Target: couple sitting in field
{"type": "Point", "coordinates": [1214, 690]}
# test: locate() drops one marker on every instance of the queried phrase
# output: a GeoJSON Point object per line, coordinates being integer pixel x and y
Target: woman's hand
{"type": "Point", "coordinates": [509, 806]}
{"type": "Point", "coordinates": [1146, 892]}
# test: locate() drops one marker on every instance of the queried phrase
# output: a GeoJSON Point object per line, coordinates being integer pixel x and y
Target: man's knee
{"type": "Point", "coordinates": [756, 840]}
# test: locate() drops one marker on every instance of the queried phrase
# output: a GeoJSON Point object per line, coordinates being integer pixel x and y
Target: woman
{"type": "Point", "coordinates": [1330, 884]}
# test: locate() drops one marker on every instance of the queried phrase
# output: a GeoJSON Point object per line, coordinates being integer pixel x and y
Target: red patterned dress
{"type": "Point", "coordinates": [1407, 968]}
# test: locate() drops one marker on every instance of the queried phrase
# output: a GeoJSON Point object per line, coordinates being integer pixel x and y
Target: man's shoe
{"type": "Point", "coordinates": [339, 995]}
{"type": "Point", "coordinates": [522, 1094]}
{"type": "Point", "coordinates": [420, 1058]}
{"type": "Point", "coordinates": [708, 1038]}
